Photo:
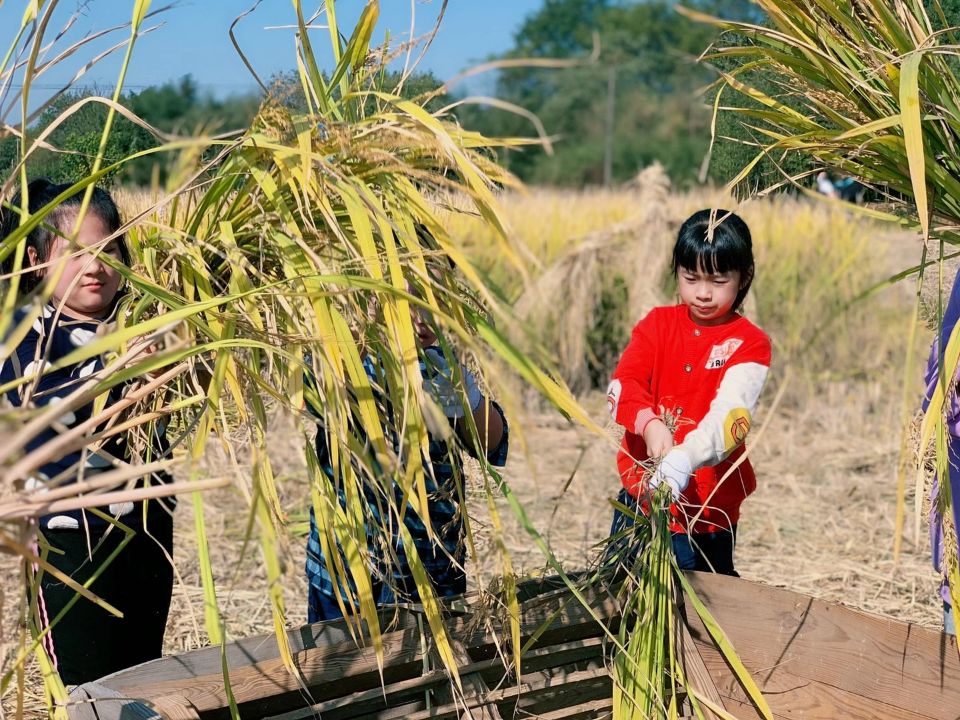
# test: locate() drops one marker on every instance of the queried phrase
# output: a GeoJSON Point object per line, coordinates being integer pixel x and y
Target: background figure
{"type": "Point", "coordinates": [847, 189]}
{"type": "Point", "coordinates": [825, 185]}
{"type": "Point", "coordinates": [942, 533]}
{"type": "Point", "coordinates": [850, 190]}
{"type": "Point", "coordinates": [444, 554]}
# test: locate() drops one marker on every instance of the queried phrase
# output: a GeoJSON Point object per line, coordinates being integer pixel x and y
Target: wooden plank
{"type": "Point", "coordinates": [369, 709]}
{"type": "Point", "coordinates": [897, 664]}
{"type": "Point", "coordinates": [517, 692]}
{"type": "Point", "coordinates": [249, 651]}
{"type": "Point", "coordinates": [696, 671]}
{"type": "Point", "coordinates": [329, 671]}
{"type": "Point", "coordinates": [93, 701]}
{"type": "Point", "coordinates": [175, 707]}
{"type": "Point", "coordinates": [256, 671]}
{"type": "Point", "coordinates": [793, 697]}
{"type": "Point", "coordinates": [377, 699]}
{"type": "Point", "coordinates": [581, 711]}
{"type": "Point", "coordinates": [81, 704]}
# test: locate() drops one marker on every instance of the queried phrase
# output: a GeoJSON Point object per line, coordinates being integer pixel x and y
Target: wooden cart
{"type": "Point", "coordinates": [814, 660]}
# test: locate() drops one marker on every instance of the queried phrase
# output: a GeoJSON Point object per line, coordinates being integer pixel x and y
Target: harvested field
{"type": "Point", "coordinates": [821, 522]}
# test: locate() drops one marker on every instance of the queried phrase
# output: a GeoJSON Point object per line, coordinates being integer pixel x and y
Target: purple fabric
{"type": "Point", "coordinates": [952, 412]}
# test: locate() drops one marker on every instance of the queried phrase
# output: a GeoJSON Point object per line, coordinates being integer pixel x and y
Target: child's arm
{"type": "Point", "coordinates": [629, 397]}
{"type": "Point", "coordinates": [727, 422]}
{"type": "Point", "coordinates": [487, 415]}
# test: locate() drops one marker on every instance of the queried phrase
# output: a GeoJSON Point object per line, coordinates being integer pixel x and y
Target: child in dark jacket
{"type": "Point", "coordinates": [438, 536]}
{"type": "Point", "coordinates": [82, 640]}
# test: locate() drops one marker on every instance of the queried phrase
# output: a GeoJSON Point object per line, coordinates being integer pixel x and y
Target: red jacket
{"type": "Point", "coordinates": [710, 377]}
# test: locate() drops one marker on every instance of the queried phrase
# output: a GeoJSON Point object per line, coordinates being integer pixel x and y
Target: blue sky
{"type": "Point", "coordinates": [193, 38]}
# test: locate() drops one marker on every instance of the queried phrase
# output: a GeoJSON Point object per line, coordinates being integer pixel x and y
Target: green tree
{"type": "Point", "coordinates": [77, 140]}
{"type": "Point", "coordinates": [648, 57]}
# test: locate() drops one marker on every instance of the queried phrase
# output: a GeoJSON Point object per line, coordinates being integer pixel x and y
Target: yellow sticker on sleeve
{"type": "Point", "coordinates": [735, 428]}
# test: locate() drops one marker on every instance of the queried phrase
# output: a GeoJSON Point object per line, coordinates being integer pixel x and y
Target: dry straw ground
{"type": "Point", "coordinates": [822, 520]}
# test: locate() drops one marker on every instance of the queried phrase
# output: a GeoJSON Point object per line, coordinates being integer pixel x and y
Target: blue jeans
{"type": "Point", "coordinates": [704, 552]}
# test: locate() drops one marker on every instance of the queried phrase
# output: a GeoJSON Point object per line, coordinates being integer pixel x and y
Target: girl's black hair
{"type": "Point", "coordinates": [42, 192]}
{"type": "Point", "coordinates": [716, 241]}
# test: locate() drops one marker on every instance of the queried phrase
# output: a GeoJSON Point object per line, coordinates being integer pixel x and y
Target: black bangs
{"type": "Point", "coordinates": [716, 241]}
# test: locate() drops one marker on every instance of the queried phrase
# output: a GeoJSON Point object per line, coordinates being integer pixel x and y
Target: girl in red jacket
{"type": "Point", "coordinates": [686, 388]}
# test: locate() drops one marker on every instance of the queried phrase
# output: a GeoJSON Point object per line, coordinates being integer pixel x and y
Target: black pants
{"type": "Point", "coordinates": [88, 642]}
{"type": "Point", "coordinates": [706, 552]}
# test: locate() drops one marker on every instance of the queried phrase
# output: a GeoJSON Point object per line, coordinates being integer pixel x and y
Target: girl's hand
{"type": "Point", "coordinates": [658, 438]}
{"type": "Point", "coordinates": [439, 385]}
{"type": "Point", "coordinates": [674, 470]}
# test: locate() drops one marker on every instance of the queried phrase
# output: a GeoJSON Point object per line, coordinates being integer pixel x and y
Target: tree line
{"type": "Point", "coordinates": [633, 94]}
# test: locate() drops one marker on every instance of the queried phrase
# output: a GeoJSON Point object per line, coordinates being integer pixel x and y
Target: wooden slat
{"type": "Point", "coordinates": [94, 701]}
{"type": "Point", "coordinates": [333, 670]}
{"type": "Point", "coordinates": [368, 709]}
{"type": "Point", "coordinates": [248, 651]}
{"type": "Point", "coordinates": [569, 655]}
{"type": "Point", "coordinates": [782, 633]}
{"type": "Point", "coordinates": [695, 669]}
{"type": "Point", "coordinates": [565, 692]}
{"type": "Point", "coordinates": [474, 687]}
{"type": "Point", "coordinates": [792, 697]}
{"type": "Point", "coordinates": [519, 692]}
{"type": "Point", "coordinates": [256, 671]}
{"type": "Point", "coordinates": [581, 711]}
{"type": "Point", "coordinates": [377, 699]}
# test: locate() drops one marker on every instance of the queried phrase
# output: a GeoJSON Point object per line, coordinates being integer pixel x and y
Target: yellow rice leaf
{"type": "Point", "coordinates": [431, 608]}
{"type": "Point", "coordinates": [265, 486]}
{"type": "Point", "coordinates": [140, 9]}
{"type": "Point", "coordinates": [211, 609]}
{"type": "Point", "coordinates": [913, 135]}
{"type": "Point", "coordinates": [870, 128]}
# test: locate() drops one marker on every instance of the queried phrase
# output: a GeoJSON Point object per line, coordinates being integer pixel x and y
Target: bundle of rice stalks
{"type": "Point", "coordinates": [650, 674]}
{"type": "Point", "coordinates": [271, 267]}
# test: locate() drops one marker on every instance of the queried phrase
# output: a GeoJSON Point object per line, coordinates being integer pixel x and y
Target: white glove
{"type": "Point", "coordinates": [674, 470]}
{"type": "Point", "coordinates": [438, 382]}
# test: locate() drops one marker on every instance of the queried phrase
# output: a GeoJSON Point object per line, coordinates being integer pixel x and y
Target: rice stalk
{"type": "Point", "coordinates": [649, 674]}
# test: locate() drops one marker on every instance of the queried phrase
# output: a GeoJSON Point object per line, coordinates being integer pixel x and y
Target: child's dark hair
{"type": "Point", "coordinates": [42, 192]}
{"type": "Point", "coordinates": [716, 241]}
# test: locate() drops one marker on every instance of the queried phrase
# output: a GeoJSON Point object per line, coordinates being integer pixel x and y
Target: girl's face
{"type": "Point", "coordinates": [709, 297]}
{"type": "Point", "coordinates": [87, 286]}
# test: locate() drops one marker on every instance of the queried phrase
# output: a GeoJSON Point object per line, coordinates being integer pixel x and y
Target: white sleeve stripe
{"type": "Point", "coordinates": [740, 389]}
